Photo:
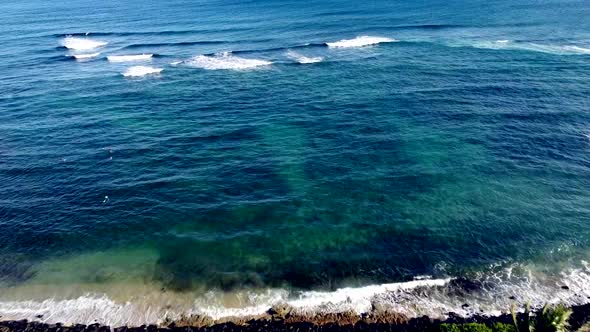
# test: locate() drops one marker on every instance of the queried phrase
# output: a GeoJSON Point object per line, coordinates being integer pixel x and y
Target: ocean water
{"type": "Point", "coordinates": [218, 157]}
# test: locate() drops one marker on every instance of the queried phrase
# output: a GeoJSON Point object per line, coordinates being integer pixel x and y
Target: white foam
{"type": "Point", "coordinates": [225, 61]}
{"type": "Point", "coordinates": [357, 299]}
{"type": "Point", "coordinates": [127, 58]}
{"type": "Point", "coordinates": [360, 41]}
{"type": "Point", "coordinates": [85, 56]}
{"type": "Point", "coordinates": [577, 49]}
{"type": "Point", "coordinates": [432, 297]}
{"type": "Point", "coordinates": [533, 47]}
{"type": "Point", "coordinates": [303, 59]}
{"type": "Point", "coordinates": [137, 71]}
{"type": "Point", "coordinates": [84, 310]}
{"type": "Point", "coordinates": [82, 44]}
{"type": "Point", "coordinates": [553, 49]}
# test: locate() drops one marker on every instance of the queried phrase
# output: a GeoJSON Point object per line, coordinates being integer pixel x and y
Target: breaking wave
{"type": "Point", "coordinates": [534, 47]}
{"type": "Point", "coordinates": [303, 59]}
{"type": "Point", "coordinates": [491, 292]}
{"type": "Point", "coordinates": [225, 61]}
{"type": "Point", "coordinates": [85, 56]}
{"type": "Point", "coordinates": [138, 71]}
{"type": "Point", "coordinates": [127, 58]}
{"type": "Point", "coordinates": [360, 41]}
{"type": "Point", "coordinates": [82, 44]}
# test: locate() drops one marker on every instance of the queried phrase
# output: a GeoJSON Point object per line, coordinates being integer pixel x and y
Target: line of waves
{"type": "Point", "coordinates": [489, 293]}
{"type": "Point", "coordinates": [86, 49]}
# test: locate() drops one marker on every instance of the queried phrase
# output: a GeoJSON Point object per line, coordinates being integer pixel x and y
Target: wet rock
{"type": "Point", "coordinates": [192, 320]}
{"type": "Point", "coordinates": [465, 285]}
{"type": "Point", "coordinates": [382, 314]}
{"type": "Point", "coordinates": [93, 327]}
{"type": "Point", "coordinates": [104, 329]}
{"type": "Point", "coordinates": [281, 310]}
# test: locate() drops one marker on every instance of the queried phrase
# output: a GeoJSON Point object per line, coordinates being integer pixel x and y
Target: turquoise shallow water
{"type": "Point", "coordinates": [276, 148]}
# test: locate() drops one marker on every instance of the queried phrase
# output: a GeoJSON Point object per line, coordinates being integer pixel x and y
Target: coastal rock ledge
{"type": "Point", "coordinates": [281, 321]}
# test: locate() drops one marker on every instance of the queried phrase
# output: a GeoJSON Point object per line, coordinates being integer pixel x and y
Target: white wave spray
{"type": "Point", "coordinates": [303, 59]}
{"type": "Point", "coordinates": [533, 47]}
{"type": "Point", "coordinates": [494, 294]}
{"type": "Point", "coordinates": [138, 71]}
{"type": "Point", "coordinates": [128, 58]}
{"type": "Point", "coordinates": [82, 44]}
{"type": "Point", "coordinates": [225, 61]}
{"type": "Point", "coordinates": [360, 41]}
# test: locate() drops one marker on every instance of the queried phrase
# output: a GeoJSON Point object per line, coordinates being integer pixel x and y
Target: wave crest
{"type": "Point", "coordinates": [85, 56]}
{"type": "Point", "coordinates": [127, 58]}
{"type": "Point", "coordinates": [304, 59]}
{"type": "Point", "coordinates": [225, 61]}
{"type": "Point", "coordinates": [360, 41]}
{"type": "Point", "coordinates": [138, 71]}
{"type": "Point", "coordinates": [533, 47]}
{"type": "Point", "coordinates": [82, 44]}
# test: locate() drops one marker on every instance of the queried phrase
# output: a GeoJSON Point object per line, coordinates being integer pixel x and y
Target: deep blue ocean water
{"type": "Point", "coordinates": [250, 160]}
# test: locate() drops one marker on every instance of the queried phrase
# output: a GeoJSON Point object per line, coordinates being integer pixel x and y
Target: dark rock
{"type": "Point", "coordinates": [512, 297]}
{"type": "Point", "coordinates": [565, 287]}
{"type": "Point", "coordinates": [466, 285]}
{"type": "Point", "coordinates": [281, 310]}
{"type": "Point", "coordinates": [104, 329]}
{"type": "Point", "coordinates": [465, 305]}
{"type": "Point", "coordinates": [93, 327]}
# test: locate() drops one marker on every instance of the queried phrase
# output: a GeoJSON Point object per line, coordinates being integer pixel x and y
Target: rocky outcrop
{"type": "Point", "coordinates": [282, 318]}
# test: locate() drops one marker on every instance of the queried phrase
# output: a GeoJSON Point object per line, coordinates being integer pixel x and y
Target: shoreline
{"type": "Point", "coordinates": [281, 318]}
{"type": "Point", "coordinates": [391, 304]}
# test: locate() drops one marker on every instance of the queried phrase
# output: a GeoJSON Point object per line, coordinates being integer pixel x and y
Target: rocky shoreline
{"type": "Point", "coordinates": [280, 319]}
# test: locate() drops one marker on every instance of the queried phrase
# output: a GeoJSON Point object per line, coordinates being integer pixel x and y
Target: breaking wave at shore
{"type": "Point", "coordinates": [491, 293]}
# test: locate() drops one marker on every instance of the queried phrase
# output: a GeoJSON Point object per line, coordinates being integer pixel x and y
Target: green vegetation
{"type": "Point", "coordinates": [501, 327]}
{"type": "Point", "coordinates": [552, 318]}
{"type": "Point", "coordinates": [477, 327]}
